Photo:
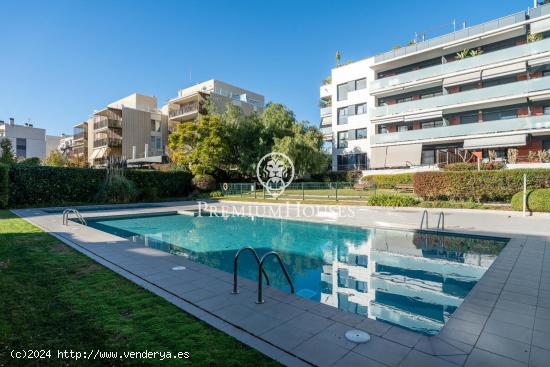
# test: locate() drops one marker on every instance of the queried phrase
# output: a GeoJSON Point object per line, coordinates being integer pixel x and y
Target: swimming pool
{"type": "Point", "coordinates": [408, 278]}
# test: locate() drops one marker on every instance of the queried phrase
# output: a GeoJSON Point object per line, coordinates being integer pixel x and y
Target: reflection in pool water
{"type": "Point", "coordinates": [412, 279]}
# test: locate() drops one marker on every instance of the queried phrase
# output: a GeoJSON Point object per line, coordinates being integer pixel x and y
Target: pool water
{"type": "Point", "coordinates": [408, 278]}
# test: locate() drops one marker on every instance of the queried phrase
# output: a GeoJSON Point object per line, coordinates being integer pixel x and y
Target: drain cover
{"type": "Point", "coordinates": [179, 268]}
{"type": "Point", "coordinates": [357, 336]}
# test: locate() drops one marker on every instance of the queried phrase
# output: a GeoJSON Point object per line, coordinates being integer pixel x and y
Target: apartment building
{"type": "Point", "coordinates": [79, 144]}
{"type": "Point", "coordinates": [482, 92]}
{"type": "Point", "coordinates": [27, 140]}
{"type": "Point", "coordinates": [131, 127]}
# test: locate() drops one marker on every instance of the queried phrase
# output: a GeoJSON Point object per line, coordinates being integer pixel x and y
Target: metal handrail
{"type": "Point", "coordinates": [235, 266]}
{"type": "Point", "coordinates": [424, 215]}
{"type": "Point", "coordinates": [260, 271]}
{"type": "Point", "coordinates": [66, 213]}
{"type": "Point", "coordinates": [441, 221]}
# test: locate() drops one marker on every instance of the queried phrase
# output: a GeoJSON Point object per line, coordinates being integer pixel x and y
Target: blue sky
{"type": "Point", "coordinates": [60, 60]}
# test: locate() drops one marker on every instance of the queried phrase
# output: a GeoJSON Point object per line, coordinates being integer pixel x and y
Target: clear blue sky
{"type": "Point", "coordinates": [60, 60]}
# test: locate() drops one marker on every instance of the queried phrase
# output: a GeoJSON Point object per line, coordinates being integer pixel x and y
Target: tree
{"type": "Point", "coordinates": [304, 148]}
{"type": "Point", "coordinates": [199, 145]}
{"type": "Point", "coordinates": [6, 151]}
{"type": "Point", "coordinates": [337, 58]}
{"type": "Point", "coordinates": [33, 161]}
{"type": "Point", "coordinates": [55, 159]}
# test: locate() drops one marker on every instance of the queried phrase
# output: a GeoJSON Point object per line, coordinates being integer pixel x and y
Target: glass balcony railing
{"type": "Point", "coordinates": [471, 96]}
{"type": "Point", "coordinates": [110, 123]}
{"type": "Point", "coordinates": [326, 111]}
{"type": "Point", "coordinates": [454, 36]}
{"type": "Point", "coordinates": [488, 127]}
{"type": "Point", "coordinates": [465, 64]}
{"type": "Point", "coordinates": [326, 130]}
{"type": "Point", "coordinates": [81, 135]}
{"type": "Point", "coordinates": [189, 108]}
{"type": "Point", "coordinates": [111, 142]}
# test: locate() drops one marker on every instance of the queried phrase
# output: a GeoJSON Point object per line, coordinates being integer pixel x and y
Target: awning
{"type": "Point", "coordinates": [377, 157]}
{"type": "Point", "coordinates": [496, 142]}
{"type": "Point", "coordinates": [517, 67]}
{"type": "Point", "coordinates": [403, 155]}
{"type": "Point", "coordinates": [98, 153]}
{"type": "Point", "coordinates": [461, 79]}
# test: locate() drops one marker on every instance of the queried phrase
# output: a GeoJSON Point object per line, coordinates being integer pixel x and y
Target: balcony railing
{"type": "Point", "coordinates": [78, 136]}
{"type": "Point", "coordinates": [111, 142]}
{"type": "Point", "coordinates": [326, 111]}
{"type": "Point", "coordinates": [488, 127]}
{"type": "Point", "coordinates": [465, 64]}
{"type": "Point", "coordinates": [454, 36]}
{"type": "Point", "coordinates": [111, 123]}
{"type": "Point", "coordinates": [193, 107]}
{"type": "Point", "coordinates": [472, 96]}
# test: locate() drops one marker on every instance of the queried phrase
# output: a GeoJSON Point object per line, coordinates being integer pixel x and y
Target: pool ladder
{"type": "Point", "coordinates": [440, 221]}
{"type": "Point", "coordinates": [261, 271]}
{"type": "Point", "coordinates": [79, 216]}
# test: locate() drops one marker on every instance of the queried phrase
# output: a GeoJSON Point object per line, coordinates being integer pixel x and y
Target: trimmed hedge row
{"type": "Point", "coordinates": [391, 200]}
{"type": "Point", "coordinates": [480, 186]}
{"type": "Point", "coordinates": [537, 200]}
{"type": "Point", "coordinates": [390, 181]}
{"type": "Point", "coordinates": [4, 185]}
{"type": "Point", "coordinates": [473, 166]}
{"type": "Point", "coordinates": [42, 186]}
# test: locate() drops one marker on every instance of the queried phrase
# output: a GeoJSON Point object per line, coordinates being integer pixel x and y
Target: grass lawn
{"type": "Point", "coordinates": [52, 297]}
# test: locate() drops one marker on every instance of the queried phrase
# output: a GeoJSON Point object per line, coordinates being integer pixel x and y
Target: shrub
{"type": "Point", "coordinates": [487, 166]}
{"type": "Point", "coordinates": [204, 183]}
{"type": "Point", "coordinates": [330, 177]}
{"type": "Point", "coordinates": [158, 184]}
{"type": "Point", "coordinates": [392, 200]}
{"type": "Point", "coordinates": [118, 189]}
{"type": "Point", "coordinates": [34, 161]}
{"type": "Point", "coordinates": [4, 185]}
{"type": "Point", "coordinates": [538, 200]}
{"type": "Point", "coordinates": [479, 186]}
{"type": "Point", "coordinates": [389, 181]}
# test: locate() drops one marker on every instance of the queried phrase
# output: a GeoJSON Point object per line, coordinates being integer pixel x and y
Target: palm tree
{"type": "Point", "coordinates": [337, 58]}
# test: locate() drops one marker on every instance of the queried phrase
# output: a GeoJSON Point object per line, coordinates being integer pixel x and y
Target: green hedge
{"type": "Point", "coordinates": [390, 181]}
{"type": "Point", "coordinates": [53, 186]}
{"type": "Point", "coordinates": [392, 200]}
{"type": "Point", "coordinates": [480, 186]}
{"type": "Point", "coordinates": [537, 200]}
{"type": "Point", "coordinates": [4, 185]}
{"type": "Point", "coordinates": [473, 166]}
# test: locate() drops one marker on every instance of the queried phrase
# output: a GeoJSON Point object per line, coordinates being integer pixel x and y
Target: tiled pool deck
{"type": "Point", "coordinates": [504, 321]}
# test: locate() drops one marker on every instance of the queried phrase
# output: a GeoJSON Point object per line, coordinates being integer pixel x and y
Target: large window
{"type": "Point", "coordinates": [21, 147]}
{"type": "Point", "coordinates": [343, 92]}
{"type": "Point", "coordinates": [382, 129]}
{"type": "Point", "coordinates": [345, 88]}
{"type": "Point", "coordinates": [361, 133]}
{"type": "Point", "coordinates": [428, 157]}
{"type": "Point", "coordinates": [343, 139]}
{"type": "Point", "coordinates": [469, 119]}
{"type": "Point", "coordinates": [430, 124]}
{"type": "Point", "coordinates": [361, 109]}
{"type": "Point", "coordinates": [500, 115]}
{"type": "Point", "coordinates": [360, 83]}
{"type": "Point", "coordinates": [343, 116]}
{"type": "Point", "coordinates": [155, 126]}
{"type": "Point", "coordinates": [349, 162]}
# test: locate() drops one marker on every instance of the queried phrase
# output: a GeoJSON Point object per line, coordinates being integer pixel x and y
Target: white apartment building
{"type": "Point", "coordinates": [481, 92]}
{"type": "Point", "coordinates": [27, 140]}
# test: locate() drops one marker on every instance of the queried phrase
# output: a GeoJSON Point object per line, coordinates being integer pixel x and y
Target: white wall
{"type": "Point", "coordinates": [35, 137]}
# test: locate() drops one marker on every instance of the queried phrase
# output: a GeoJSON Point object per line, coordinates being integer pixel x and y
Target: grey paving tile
{"type": "Point", "coordinates": [513, 318]}
{"type": "Point", "coordinates": [519, 298]}
{"type": "Point", "coordinates": [543, 312]}
{"type": "Point", "coordinates": [461, 336]}
{"type": "Point", "coordinates": [353, 359]}
{"type": "Point", "coordinates": [335, 333]}
{"type": "Point", "coordinates": [281, 311]}
{"type": "Point", "coordinates": [465, 326]}
{"type": "Point", "coordinates": [234, 313]}
{"type": "Point", "coordinates": [291, 361]}
{"type": "Point", "coordinates": [470, 316]}
{"type": "Point", "coordinates": [310, 323]}
{"type": "Point", "coordinates": [402, 336]}
{"type": "Point", "coordinates": [539, 357]}
{"type": "Point", "coordinates": [419, 359]}
{"type": "Point", "coordinates": [459, 360]}
{"type": "Point", "coordinates": [504, 347]}
{"type": "Point", "coordinates": [541, 339]}
{"type": "Point", "coordinates": [542, 325]}
{"type": "Point", "coordinates": [286, 336]}
{"type": "Point", "coordinates": [374, 327]}
{"type": "Point", "coordinates": [439, 347]}
{"type": "Point", "coordinates": [348, 318]}
{"type": "Point", "coordinates": [320, 351]}
{"type": "Point", "coordinates": [383, 351]}
{"type": "Point", "coordinates": [518, 307]}
{"type": "Point", "coordinates": [510, 331]}
{"type": "Point", "coordinates": [482, 358]}
{"type": "Point", "coordinates": [258, 323]}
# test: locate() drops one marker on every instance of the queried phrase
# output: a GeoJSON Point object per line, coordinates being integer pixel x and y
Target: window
{"type": "Point", "coordinates": [470, 86]}
{"type": "Point", "coordinates": [499, 81]}
{"type": "Point", "coordinates": [430, 124]}
{"type": "Point", "coordinates": [430, 95]}
{"type": "Point", "coordinates": [404, 99]}
{"type": "Point", "coordinates": [360, 109]}
{"type": "Point", "coordinates": [155, 126]}
{"type": "Point", "coordinates": [546, 144]}
{"type": "Point", "coordinates": [360, 83]}
{"type": "Point", "coordinates": [342, 116]}
{"type": "Point", "coordinates": [403, 128]}
{"type": "Point", "coordinates": [499, 115]}
{"type": "Point", "coordinates": [382, 129]}
{"type": "Point", "coordinates": [361, 133]}
{"type": "Point", "coordinates": [343, 139]}
{"type": "Point", "coordinates": [469, 119]}
{"type": "Point", "coordinates": [21, 148]}
{"type": "Point", "coordinates": [547, 110]}
{"type": "Point", "coordinates": [428, 157]}
{"type": "Point", "coordinates": [342, 92]}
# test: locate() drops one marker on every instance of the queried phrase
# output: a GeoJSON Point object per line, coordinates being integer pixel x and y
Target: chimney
{"type": "Point", "coordinates": [12, 121]}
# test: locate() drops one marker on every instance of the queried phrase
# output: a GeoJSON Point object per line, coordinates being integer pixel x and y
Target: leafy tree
{"type": "Point", "coordinates": [34, 161]}
{"type": "Point", "coordinates": [6, 151]}
{"type": "Point", "coordinates": [304, 147]}
{"type": "Point", "coordinates": [199, 145]}
{"type": "Point", "coordinates": [55, 159]}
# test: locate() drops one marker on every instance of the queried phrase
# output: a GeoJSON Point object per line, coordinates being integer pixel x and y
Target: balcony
{"type": "Point", "coordinates": [476, 96]}
{"type": "Point", "coordinates": [325, 111]}
{"type": "Point", "coordinates": [184, 110]}
{"type": "Point", "coordinates": [110, 142]}
{"type": "Point", "coordinates": [325, 90]}
{"type": "Point", "coordinates": [107, 123]}
{"type": "Point", "coordinates": [489, 127]}
{"type": "Point", "coordinates": [465, 33]}
{"type": "Point", "coordinates": [459, 65]}
{"type": "Point", "coordinates": [80, 135]}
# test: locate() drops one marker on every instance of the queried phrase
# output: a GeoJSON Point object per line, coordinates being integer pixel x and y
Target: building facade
{"type": "Point", "coordinates": [482, 92]}
{"type": "Point", "coordinates": [27, 140]}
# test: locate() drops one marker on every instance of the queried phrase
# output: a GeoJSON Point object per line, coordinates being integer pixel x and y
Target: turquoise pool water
{"type": "Point", "coordinates": [412, 279]}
